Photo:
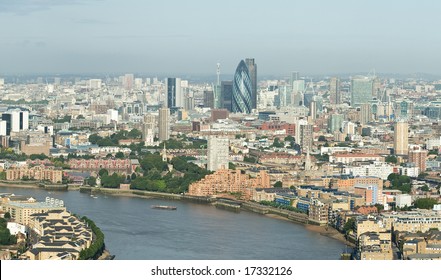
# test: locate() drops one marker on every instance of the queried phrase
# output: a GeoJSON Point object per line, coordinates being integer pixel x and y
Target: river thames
{"type": "Point", "coordinates": [135, 231]}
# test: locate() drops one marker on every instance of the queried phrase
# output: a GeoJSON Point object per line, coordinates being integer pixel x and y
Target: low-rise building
{"type": "Point", "coordinates": [40, 173]}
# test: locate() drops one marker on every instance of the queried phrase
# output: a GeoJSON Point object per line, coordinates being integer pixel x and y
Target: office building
{"type": "Point", "coordinates": [174, 96]}
{"type": "Point", "coordinates": [335, 123]}
{"type": "Point", "coordinates": [242, 101]}
{"type": "Point", "coordinates": [252, 70]}
{"type": "Point", "coordinates": [164, 124]}
{"type": "Point", "coordinates": [361, 91]}
{"type": "Point", "coordinates": [209, 99]}
{"type": "Point", "coordinates": [217, 153]}
{"type": "Point", "coordinates": [313, 110]}
{"type": "Point", "coordinates": [401, 138]}
{"type": "Point", "coordinates": [334, 91]}
{"type": "Point", "coordinates": [365, 113]}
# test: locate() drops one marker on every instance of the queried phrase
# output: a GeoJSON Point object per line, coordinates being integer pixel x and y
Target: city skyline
{"type": "Point", "coordinates": [314, 37]}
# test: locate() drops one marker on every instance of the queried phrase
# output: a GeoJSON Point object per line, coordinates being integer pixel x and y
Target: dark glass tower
{"type": "Point", "coordinates": [242, 90]}
{"type": "Point", "coordinates": [252, 70]}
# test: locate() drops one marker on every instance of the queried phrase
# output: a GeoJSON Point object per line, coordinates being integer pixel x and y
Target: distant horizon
{"type": "Point", "coordinates": [189, 37]}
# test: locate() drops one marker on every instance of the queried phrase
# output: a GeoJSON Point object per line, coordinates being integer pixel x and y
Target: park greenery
{"type": "Point", "coordinates": [97, 247]}
{"type": "Point", "coordinates": [349, 226]}
{"type": "Point", "coordinates": [5, 235]}
{"type": "Point", "coordinates": [425, 203]}
{"type": "Point", "coordinates": [281, 206]}
{"type": "Point", "coordinates": [400, 182]}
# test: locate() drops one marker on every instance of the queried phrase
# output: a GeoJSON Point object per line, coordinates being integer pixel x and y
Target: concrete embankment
{"type": "Point", "coordinates": [265, 210]}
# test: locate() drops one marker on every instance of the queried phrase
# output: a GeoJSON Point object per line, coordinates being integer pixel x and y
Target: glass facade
{"type": "Point", "coordinates": [242, 90]}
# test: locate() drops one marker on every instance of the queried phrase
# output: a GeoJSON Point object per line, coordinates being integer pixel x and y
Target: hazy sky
{"type": "Point", "coordinates": [191, 36]}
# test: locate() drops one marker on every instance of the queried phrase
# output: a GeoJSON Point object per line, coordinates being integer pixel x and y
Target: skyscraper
{"type": "Point", "coordinates": [313, 110]}
{"type": "Point", "coordinates": [209, 99]}
{"type": "Point", "coordinates": [163, 124]}
{"type": "Point", "coordinates": [217, 153]}
{"type": "Point", "coordinates": [304, 135]}
{"type": "Point", "coordinates": [252, 70]}
{"type": "Point", "coordinates": [226, 95]}
{"type": "Point", "coordinates": [174, 97]}
{"type": "Point", "coordinates": [361, 90]}
{"type": "Point", "coordinates": [365, 113]}
{"type": "Point", "coordinates": [242, 90]}
{"type": "Point", "coordinates": [401, 138]}
{"type": "Point", "coordinates": [335, 122]}
{"type": "Point", "coordinates": [334, 91]}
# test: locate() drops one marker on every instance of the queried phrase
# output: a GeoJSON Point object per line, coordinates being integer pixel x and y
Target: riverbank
{"type": "Point", "coordinates": [267, 211]}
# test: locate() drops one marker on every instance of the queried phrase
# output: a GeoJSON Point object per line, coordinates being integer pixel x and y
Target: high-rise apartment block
{"type": "Point", "coordinates": [217, 153]}
{"type": "Point", "coordinates": [164, 124]}
{"type": "Point", "coordinates": [401, 138]}
{"type": "Point", "coordinates": [334, 91]}
{"type": "Point", "coordinates": [418, 155]}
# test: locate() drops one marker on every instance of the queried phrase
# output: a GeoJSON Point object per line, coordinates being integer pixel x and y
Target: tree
{"type": "Point", "coordinates": [322, 138]}
{"type": "Point", "coordinates": [91, 181]}
{"type": "Point", "coordinates": [133, 176]}
{"type": "Point", "coordinates": [278, 184]}
{"type": "Point", "coordinates": [347, 139]}
{"type": "Point", "coordinates": [134, 134]}
{"type": "Point", "coordinates": [3, 175]}
{"type": "Point", "coordinates": [119, 155]}
{"type": "Point", "coordinates": [277, 143]}
{"type": "Point", "coordinates": [425, 203]}
{"type": "Point", "coordinates": [350, 225]}
{"type": "Point", "coordinates": [425, 188]}
{"type": "Point", "coordinates": [422, 175]}
{"type": "Point", "coordinates": [231, 166]}
{"type": "Point", "coordinates": [7, 216]}
{"type": "Point", "coordinates": [103, 172]}
{"type": "Point", "coordinates": [391, 159]}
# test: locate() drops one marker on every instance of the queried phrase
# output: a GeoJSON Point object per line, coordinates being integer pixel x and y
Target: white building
{"type": "Point", "coordinates": [217, 153]}
{"type": "Point", "coordinates": [112, 115]}
{"type": "Point", "coordinates": [402, 200]}
{"type": "Point", "coordinates": [409, 171]}
{"type": "Point", "coordinates": [15, 228]}
{"type": "Point", "coordinates": [376, 169]}
{"type": "Point", "coordinates": [95, 83]}
{"type": "Point", "coordinates": [433, 143]}
{"type": "Point", "coordinates": [2, 128]}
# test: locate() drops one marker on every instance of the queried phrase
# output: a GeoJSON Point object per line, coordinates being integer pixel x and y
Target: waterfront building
{"type": "Point", "coordinates": [318, 212]}
{"type": "Point", "coordinates": [418, 220]}
{"type": "Point", "coordinates": [125, 166]}
{"type": "Point", "coordinates": [375, 246]}
{"type": "Point", "coordinates": [242, 101]}
{"type": "Point", "coordinates": [39, 173]}
{"type": "Point", "coordinates": [217, 153]}
{"type": "Point", "coordinates": [401, 138]}
{"type": "Point", "coordinates": [62, 236]}
{"type": "Point", "coordinates": [226, 181]}
{"type": "Point", "coordinates": [22, 211]}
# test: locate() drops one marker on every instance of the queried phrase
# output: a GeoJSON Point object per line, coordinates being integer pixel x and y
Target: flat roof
{"type": "Point", "coordinates": [35, 205]}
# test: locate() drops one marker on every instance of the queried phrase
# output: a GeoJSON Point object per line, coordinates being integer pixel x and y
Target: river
{"type": "Point", "coordinates": [135, 231]}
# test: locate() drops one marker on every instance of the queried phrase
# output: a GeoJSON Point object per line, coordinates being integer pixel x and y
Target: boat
{"type": "Point", "coordinates": [164, 207]}
{"type": "Point", "coordinates": [93, 196]}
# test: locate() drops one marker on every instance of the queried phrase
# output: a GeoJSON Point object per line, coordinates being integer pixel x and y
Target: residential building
{"type": "Point", "coordinates": [217, 153]}
{"type": "Point", "coordinates": [401, 138]}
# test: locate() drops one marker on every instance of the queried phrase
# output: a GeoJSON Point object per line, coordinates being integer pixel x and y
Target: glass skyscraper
{"type": "Point", "coordinates": [242, 90]}
{"type": "Point", "coordinates": [361, 91]}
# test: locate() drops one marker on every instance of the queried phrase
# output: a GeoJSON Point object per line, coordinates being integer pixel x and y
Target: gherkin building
{"type": "Point", "coordinates": [242, 90]}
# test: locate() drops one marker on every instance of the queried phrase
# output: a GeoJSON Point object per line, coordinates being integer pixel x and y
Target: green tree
{"type": "Point", "coordinates": [103, 172]}
{"type": "Point", "coordinates": [278, 184]}
{"type": "Point", "coordinates": [91, 181]}
{"type": "Point", "coordinates": [277, 143]}
{"type": "Point", "coordinates": [3, 175]}
{"type": "Point", "coordinates": [119, 155]}
{"type": "Point", "coordinates": [349, 225]}
{"type": "Point", "coordinates": [425, 203]}
{"type": "Point", "coordinates": [231, 166]}
{"type": "Point", "coordinates": [425, 188]}
{"type": "Point", "coordinates": [322, 138]}
{"type": "Point", "coordinates": [134, 134]}
{"type": "Point", "coordinates": [7, 216]}
{"type": "Point", "coordinates": [133, 176]}
{"type": "Point", "coordinates": [391, 159]}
